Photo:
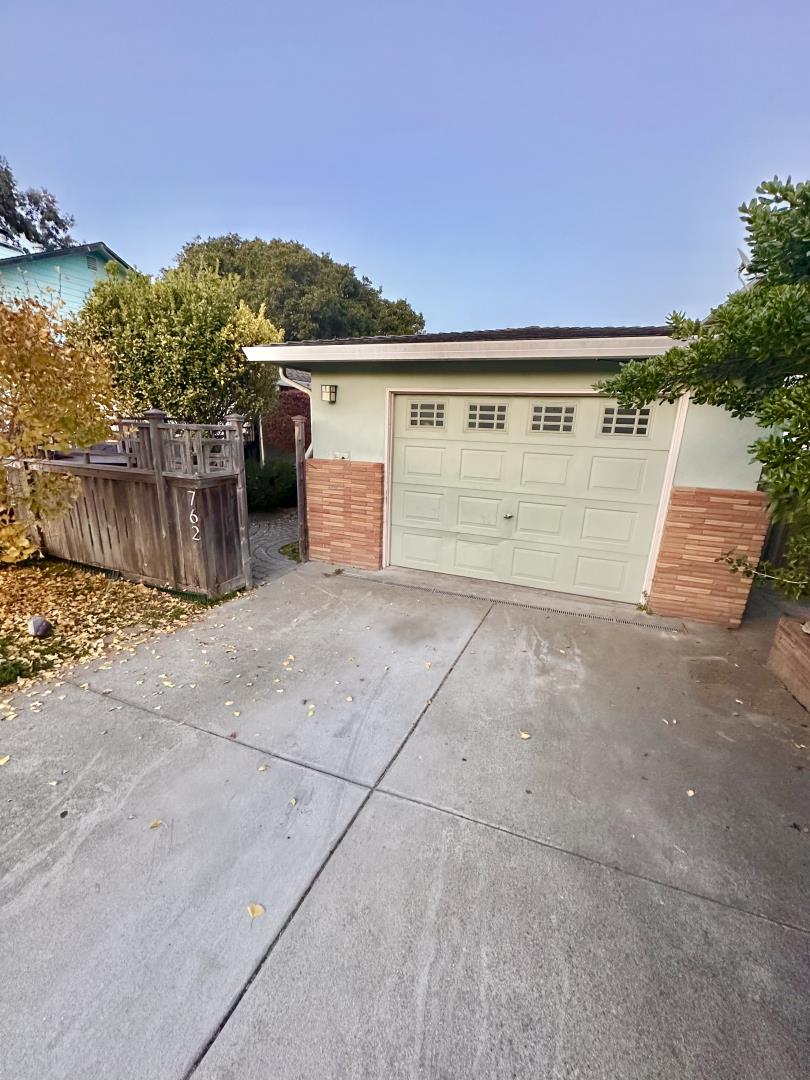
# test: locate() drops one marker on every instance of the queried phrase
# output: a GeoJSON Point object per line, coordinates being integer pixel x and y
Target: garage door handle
{"type": "Point", "coordinates": [507, 517]}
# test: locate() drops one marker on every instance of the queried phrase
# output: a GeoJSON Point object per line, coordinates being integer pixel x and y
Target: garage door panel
{"type": "Point", "coordinates": [536, 518]}
{"type": "Point", "coordinates": [421, 461]}
{"type": "Point", "coordinates": [541, 468]}
{"type": "Point", "coordinates": [476, 557]}
{"type": "Point", "coordinates": [486, 465]}
{"type": "Point", "coordinates": [417, 548]}
{"type": "Point", "coordinates": [572, 510]}
{"type": "Point", "coordinates": [421, 507]}
{"type": "Point", "coordinates": [478, 511]}
{"type": "Point", "coordinates": [537, 567]}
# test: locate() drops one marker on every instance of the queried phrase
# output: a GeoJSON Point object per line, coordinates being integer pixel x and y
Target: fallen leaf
{"type": "Point", "coordinates": [349, 697]}
{"type": "Point", "coordinates": [263, 767]}
{"type": "Point", "coordinates": [738, 700]}
{"type": "Point", "coordinates": [524, 734]}
{"type": "Point", "coordinates": [232, 735]}
{"type": "Point", "coordinates": [427, 663]}
{"type": "Point", "coordinates": [228, 703]}
{"type": "Point", "coordinates": [5, 759]}
{"type": "Point", "coordinates": [293, 802]}
{"type": "Point", "coordinates": [690, 793]}
{"type": "Point", "coordinates": [237, 712]}
{"type": "Point", "coordinates": [155, 824]}
{"type": "Point", "coordinates": [255, 910]}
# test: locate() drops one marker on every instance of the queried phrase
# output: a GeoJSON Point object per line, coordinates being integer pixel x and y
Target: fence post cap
{"type": "Point", "coordinates": [236, 418]}
{"type": "Point", "coordinates": [155, 414]}
{"type": "Point", "coordinates": [298, 419]}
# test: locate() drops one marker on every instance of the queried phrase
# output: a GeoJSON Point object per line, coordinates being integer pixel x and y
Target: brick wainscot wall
{"type": "Point", "coordinates": [702, 525]}
{"type": "Point", "coordinates": [345, 512]}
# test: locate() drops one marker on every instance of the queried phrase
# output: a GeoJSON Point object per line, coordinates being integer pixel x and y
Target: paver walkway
{"type": "Point", "coordinates": [269, 532]}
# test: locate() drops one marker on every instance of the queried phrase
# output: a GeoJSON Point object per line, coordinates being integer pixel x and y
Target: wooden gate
{"type": "Point", "coordinates": [170, 509]}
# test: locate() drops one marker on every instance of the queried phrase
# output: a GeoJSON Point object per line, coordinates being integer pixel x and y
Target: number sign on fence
{"type": "Point", "coordinates": [169, 509]}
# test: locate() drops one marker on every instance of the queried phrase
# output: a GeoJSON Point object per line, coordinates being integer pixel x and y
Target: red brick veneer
{"type": "Point", "coordinates": [345, 512]}
{"type": "Point", "coordinates": [702, 524]}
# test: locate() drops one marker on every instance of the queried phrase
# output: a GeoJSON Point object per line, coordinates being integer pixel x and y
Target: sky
{"type": "Point", "coordinates": [497, 164]}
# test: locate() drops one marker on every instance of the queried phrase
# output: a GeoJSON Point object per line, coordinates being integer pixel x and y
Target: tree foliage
{"type": "Point", "coordinates": [53, 395]}
{"type": "Point", "coordinates": [30, 219]}
{"type": "Point", "coordinates": [751, 356]}
{"type": "Point", "coordinates": [306, 294]}
{"type": "Point", "coordinates": [279, 430]}
{"type": "Point", "coordinates": [175, 343]}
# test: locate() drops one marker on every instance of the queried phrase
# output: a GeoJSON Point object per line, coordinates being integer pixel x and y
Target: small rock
{"type": "Point", "coordinates": [39, 627]}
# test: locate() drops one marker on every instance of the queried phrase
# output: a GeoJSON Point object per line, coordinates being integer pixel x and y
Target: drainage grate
{"type": "Point", "coordinates": [617, 619]}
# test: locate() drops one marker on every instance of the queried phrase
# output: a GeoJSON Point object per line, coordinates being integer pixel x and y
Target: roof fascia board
{"type": "Point", "coordinates": [303, 356]}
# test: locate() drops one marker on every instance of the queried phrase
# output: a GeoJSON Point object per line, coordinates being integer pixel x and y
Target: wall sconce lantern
{"type": "Point", "coordinates": [328, 393]}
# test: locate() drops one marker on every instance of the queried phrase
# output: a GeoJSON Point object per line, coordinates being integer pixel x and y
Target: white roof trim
{"type": "Point", "coordinates": [613, 348]}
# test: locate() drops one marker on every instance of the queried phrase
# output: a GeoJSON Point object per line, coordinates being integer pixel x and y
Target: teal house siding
{"type": "Point", "coordinates": [66, 275]}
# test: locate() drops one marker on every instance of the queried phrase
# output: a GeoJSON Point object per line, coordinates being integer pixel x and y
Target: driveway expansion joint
{"type": "Point", "coordinates": [274, 754]}
{"type": "Point", "coordinates": [369, 792]}
{"type": "Point", "coordinates": [589, 859]}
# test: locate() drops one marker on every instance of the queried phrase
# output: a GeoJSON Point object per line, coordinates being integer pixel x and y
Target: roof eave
{"type": "Point", "coordinates": [307, 357]}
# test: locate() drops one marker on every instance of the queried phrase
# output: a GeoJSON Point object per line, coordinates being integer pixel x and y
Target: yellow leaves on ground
{"type": "Point", "coordinates": [5, 759]}
{"type": "Point", "coordinates": [524, 734]}
{"type": "Point", "coordinates": [155, 824]}
{"type": "Point", "coordinates": [91, 615]}
{"type": "Point", "coordinates": [255, 911]}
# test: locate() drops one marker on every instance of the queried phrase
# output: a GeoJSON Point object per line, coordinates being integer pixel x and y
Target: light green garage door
{"type": "Point", "coordinates": [557, 493]}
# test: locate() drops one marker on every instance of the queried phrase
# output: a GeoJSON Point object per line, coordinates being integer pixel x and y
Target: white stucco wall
{"type": "Point", "coordinates": [713, 451]}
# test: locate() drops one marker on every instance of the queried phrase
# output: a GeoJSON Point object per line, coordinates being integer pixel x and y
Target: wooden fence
{"type": "Point", "coordinates": [170, 509]}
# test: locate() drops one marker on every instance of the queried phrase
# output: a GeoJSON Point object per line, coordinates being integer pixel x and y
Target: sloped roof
{"type": "Point", "coordinates": [77, 249]}
{"type": "Point", "coordinates": [521, 333]}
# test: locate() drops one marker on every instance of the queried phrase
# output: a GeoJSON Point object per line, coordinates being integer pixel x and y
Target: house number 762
{"type": "Point", "coordinates": [193, 516]}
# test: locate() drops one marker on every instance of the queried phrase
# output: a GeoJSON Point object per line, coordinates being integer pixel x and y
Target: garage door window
{"type": "Point", "coordinates": [618, 421]}
{"type": "Point", "coordinates": [549, 417]}
{"type": "Point", "coordinates": [427, 414]}
{"type": "Point", "coordinates": [486, 416]}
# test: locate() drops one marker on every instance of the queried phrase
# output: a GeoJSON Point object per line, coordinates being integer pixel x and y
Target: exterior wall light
{"type": "Point", "coordinates": [329, 393]}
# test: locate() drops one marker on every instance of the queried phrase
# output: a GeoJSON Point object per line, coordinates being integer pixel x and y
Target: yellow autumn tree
{"type": "Point", "coordinates": [53, 395]}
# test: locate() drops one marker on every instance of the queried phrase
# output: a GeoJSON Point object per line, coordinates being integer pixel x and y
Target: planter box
{"type": "Point", "coordinates": [789, 659]}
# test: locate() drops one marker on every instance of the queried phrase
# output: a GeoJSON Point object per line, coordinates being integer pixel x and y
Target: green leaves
{"type": "Point", "coordinates": [175, 342]}
{"type": "Point", "coordinates": [306, 294]}
{"type": "Point", "coordinates": [751, 356]}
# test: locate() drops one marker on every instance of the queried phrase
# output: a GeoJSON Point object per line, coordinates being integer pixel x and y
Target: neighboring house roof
{"type": "Point", "coordinates": [55, 253]}
{"type": "Point", "coordinates": [527, 344]}
{"type": "Point", "coordinates": [294, 375]}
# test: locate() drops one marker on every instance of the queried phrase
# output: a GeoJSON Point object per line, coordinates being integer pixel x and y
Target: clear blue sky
{"type": "Point", "coordinates": [498, 164]}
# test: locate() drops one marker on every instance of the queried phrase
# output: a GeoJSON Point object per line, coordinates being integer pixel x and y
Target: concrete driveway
{"type": "Point", "coordinates": [623, 894]}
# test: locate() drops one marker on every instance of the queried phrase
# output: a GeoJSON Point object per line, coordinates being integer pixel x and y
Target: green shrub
{"type": "Point", "coordinates": [271, 485]}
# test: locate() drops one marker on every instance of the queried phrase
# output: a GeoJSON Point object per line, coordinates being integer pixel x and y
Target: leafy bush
{"type": "Point", "coordinates": [271, 485]}
{"type": "Point", "coordinates": [279, 430]}
{"type": "Point", "coordinates": [175, 342]}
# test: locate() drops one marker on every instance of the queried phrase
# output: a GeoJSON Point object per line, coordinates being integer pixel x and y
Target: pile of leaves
{"type": "Point", "coordinates": [91, 615]}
